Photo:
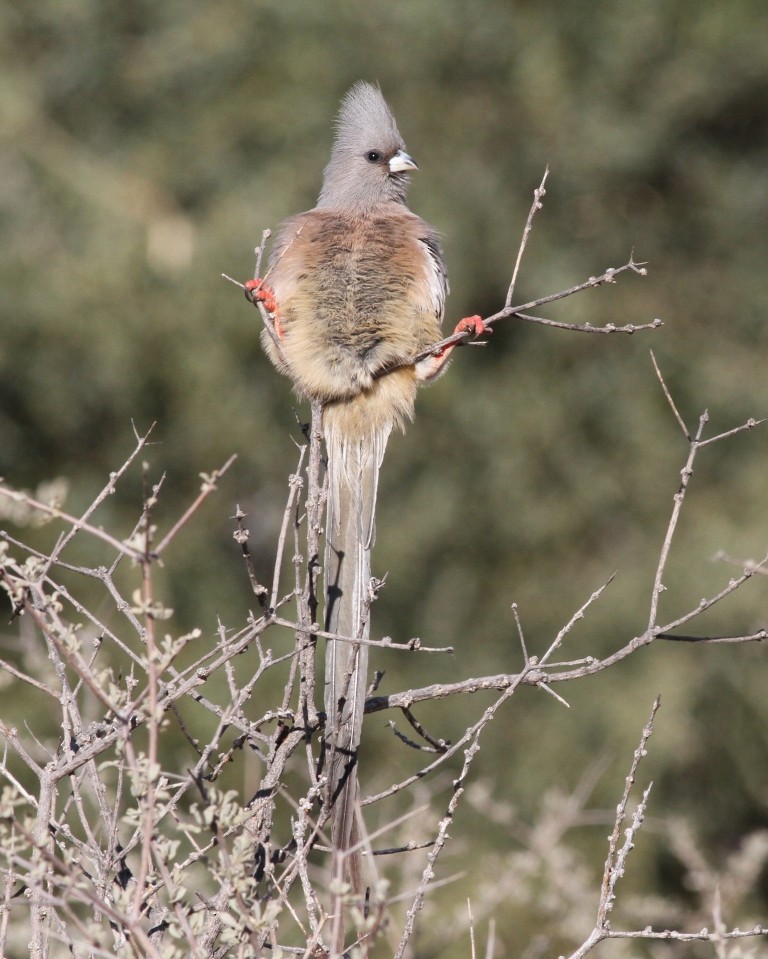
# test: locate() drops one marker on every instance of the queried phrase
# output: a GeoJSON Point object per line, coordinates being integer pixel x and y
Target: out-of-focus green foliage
{"type": "Point", "coordinates": [145, 146]}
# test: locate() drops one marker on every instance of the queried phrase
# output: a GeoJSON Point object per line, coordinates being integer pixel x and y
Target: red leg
{"type": "Point", "coordinates": [433, 365]}
{"type": "Point", "coordinates": [257, 291]}
{"type": "Point", "coordinates": [470, 324]}
{"type": "Point", "coordinates": [475, 324]}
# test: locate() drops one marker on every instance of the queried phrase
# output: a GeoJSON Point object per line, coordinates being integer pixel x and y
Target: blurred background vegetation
{"type": "Point", "coordinates": [145, 146]}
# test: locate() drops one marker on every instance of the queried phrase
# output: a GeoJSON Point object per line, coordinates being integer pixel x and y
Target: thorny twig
{"type": "Point", "coordinates": [614, 864]}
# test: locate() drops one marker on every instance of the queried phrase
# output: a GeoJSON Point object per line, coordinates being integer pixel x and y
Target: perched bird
{"type": "Point", "coordinates": [356, 288]}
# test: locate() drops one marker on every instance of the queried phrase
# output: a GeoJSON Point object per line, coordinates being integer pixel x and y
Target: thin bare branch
{"type": "Point", "coordinates": [538, 196]}
{"type": "Point", "coordinates": [671, 402]}
{"type": "Point", "coordinates": [615, 862]}
{"type": "Point", "coordinates": [208, 487]}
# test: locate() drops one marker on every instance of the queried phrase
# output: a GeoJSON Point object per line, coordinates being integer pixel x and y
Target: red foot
{"type": "Point", "coordinates": [257, 291]}
{"type": "Point", "coordinates": [474, 325]}
{"type": "Point", "coordinates": [470, 324]}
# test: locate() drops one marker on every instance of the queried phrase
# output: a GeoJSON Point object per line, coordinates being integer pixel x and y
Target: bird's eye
{"type": "Point", "coordinates": [373, 156]}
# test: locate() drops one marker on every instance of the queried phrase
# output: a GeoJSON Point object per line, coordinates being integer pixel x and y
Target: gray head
{"type": "Point", "coordinates": [368, 162]}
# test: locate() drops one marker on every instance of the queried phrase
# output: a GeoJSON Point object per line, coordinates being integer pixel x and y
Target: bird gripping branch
{"type": "Point", "coordinates": [356, 286]}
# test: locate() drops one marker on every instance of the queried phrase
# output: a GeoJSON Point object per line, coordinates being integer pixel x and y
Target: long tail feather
{"type": "Point", "coordinates": [353, 473]}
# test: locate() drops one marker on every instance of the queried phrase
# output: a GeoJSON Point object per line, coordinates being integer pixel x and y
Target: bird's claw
{"type": "Point", "coordinates": [473, 324]}
{"type": "Point", "coordinates": [470, 324]}
{"type": "Point", "coordinates": [257, 291]}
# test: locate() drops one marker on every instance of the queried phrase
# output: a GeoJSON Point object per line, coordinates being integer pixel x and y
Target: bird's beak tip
{"type": "Point", "coordinates": [401, 163]}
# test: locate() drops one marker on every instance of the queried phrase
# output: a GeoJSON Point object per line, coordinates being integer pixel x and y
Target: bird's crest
{"type": "Point", "coordinates": [365, 120]}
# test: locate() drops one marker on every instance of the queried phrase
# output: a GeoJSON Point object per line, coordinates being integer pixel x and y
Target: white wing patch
{"type": "Point", "coordinates": [437, 276]}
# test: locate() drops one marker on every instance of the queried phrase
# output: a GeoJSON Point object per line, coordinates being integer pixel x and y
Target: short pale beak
{"type": "Point", "coordinates": [401, 162]}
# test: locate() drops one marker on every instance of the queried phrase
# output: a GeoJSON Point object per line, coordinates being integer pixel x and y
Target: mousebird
{"type": "Point", "coordinates": [356, 289]}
